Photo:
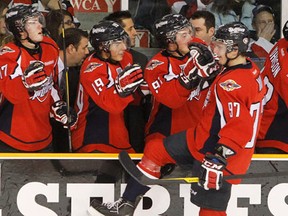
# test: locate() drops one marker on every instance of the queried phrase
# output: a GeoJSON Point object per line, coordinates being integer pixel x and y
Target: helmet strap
{"type": "Point", "coordinates": [229, 59]}
{"type": "Point", "coordinates": [36, 44]}
{"type": "Point", "coordinates": [176, 50]}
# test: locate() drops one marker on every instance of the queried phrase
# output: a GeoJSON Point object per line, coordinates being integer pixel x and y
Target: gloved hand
{"type": "Point", "coordinates": [211, 173]}
{"type": "Point", "coordinates": [188, 76]}
{"type": "Point", "coordinates": [128, 80]}
{"type": "Point", "coordinates": [59, 113]}
{"type": "Point", "coordinates": [34, 77]}
{"type": "Point", "coordinates": [204, 60]}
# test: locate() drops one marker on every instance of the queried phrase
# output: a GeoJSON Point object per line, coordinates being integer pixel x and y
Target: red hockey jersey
{"type": "Point", "coordinates": [274, 125]}
{"type": "Point", "coordinates": [174, 108]}
{"type": "Point", "coordinates": [231, 116]}
{"type": "Point", "coordinates": [101, 125]}
{"type": "Point", "coordinates": [24, 118]}
{"type": "Point", "coordinates": [259, 51]}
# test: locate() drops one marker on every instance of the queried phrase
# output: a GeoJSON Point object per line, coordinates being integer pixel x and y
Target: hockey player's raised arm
{"type": "Point", "coordinates": [101, 88]}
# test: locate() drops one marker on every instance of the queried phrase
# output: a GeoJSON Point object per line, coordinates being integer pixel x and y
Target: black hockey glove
{"type": "Point", "coordinates": [59, 113]}
{"type": "Point", "coordinates": [204, 60]}
{"type": "Point", "coordinates": [211, 172]}
{"type": "Point", "coordinates": [34, 77]}
{"type": "Point", "coordinates": [128, 80]}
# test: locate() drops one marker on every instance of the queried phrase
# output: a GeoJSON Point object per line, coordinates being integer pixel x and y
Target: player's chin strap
{"type": "Point", "coordinates": [36, 44]}
{"type": "Point", "coordinates": [229, 59]}
{"type": "Point", "coordinates": [177, 51]}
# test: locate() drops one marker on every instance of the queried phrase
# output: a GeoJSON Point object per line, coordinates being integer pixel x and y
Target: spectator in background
{"type": "Point", "coordinates": [245, 14]}
{"type": "Point", "coordinates": [262, 37]}
{"type": "Point", "coordinates": [203, 23]}
{"type": "Point", "coordinates": [272, 138]}
{"type": "Point", "coordinates": [54, 23]}
{"type": "Point", "coordinates": [41, 5]}
{"type": "Point", "coordinates": [136, 113]}
{"type": "Point", "coordinates": [187, 7]}
{"type": "Point", "coordinates": [4, 35]}
{"type": "Point", "coordinates": [148, 11]}
{"type": "Point", "coordinates": [227, 11]}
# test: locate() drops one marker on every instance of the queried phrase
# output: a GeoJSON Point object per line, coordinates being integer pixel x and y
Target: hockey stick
{"type": "Point", "coordinates": [131, 168]}
{"type": "Point", "coordinates": [66, 77]}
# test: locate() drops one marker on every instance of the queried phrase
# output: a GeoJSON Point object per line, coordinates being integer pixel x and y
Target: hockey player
{"type": "Point", "coordinates": [26, 82]}
{"type": "Point", "coordinates": [223, 141]}
{"type": "Point", "coordinates": [172, 112]}
{"type": "Point", "coordinates": [137, 112]}
{"type": "Point", "coordinates": [273, 131]}
{"type": "Point", "coordinates": [107, 83]}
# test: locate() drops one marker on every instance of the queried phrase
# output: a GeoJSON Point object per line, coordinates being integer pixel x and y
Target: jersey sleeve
{"type": "Point", "coordinates": [99, 84]}
{"type": "Point", "coordinates": [164, 85]}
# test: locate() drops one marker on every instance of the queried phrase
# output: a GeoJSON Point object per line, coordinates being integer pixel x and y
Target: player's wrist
{"type": "Point", "coordinates": [224, 151]}
{"type": "Point", "coordinates": [188, 82]}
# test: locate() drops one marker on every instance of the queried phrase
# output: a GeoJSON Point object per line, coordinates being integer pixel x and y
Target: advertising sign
{"type": "Point", "coordinates": [143, 38]}
{"type": "Point", "coordinates": [106, 6]}
{"type": "Point", "coordinates": [60, 184]}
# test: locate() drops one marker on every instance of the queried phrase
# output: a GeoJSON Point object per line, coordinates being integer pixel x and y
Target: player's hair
{"type": "Point", "coordinates": [72, 36]}
{"type": "Point", "coordinates": [207, 16]}
{"type": "Point", "coordinates": [119, 16]}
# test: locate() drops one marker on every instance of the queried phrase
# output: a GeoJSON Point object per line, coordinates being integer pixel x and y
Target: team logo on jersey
{"type": "Point", "coordinates": [6, 49]}
{"type": "Point", "coordinates": [92, 66]}
{"type": "Point", "coordinates": [42, 94]}
{"type": "Point", "coordinates": [229, 85]}
{"type": "Point", "coordinates": [153, 64]}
